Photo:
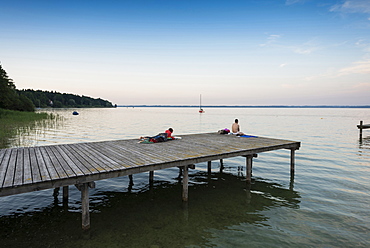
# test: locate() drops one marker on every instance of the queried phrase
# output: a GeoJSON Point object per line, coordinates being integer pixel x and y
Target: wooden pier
{"type": "Point", "coordinates": [362, 126]}
{"type": "Point", "coordinates": [30, 169]}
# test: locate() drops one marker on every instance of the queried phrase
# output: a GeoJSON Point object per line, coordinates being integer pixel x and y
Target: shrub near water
{"type": "Point", "coordinates": [11, 121]}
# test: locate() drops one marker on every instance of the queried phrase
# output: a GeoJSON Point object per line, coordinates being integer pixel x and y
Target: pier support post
{"type": "Point", "coordinates": [292, 158]}
{"type": "Point", "coordinates": [249, 160]}
{"type": "Point", "coordinates": [185, 182]}
{"type": "Point", "coordinates": [151, 177]}
{"type": "Point", "coordinates": [209, 165]}
{"type": "Point", "coordinates": [85, 206]}
{"type": "Point", "coordinates": [291, 184]}
{"type": "Point", "coordinates": [65, 195]}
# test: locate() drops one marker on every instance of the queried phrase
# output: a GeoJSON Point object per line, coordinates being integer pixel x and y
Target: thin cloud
{"type": "Point", "coordinates": [360, 67]}
{"type": "Point", "coordinates": [364, 44]}
{"type": "Point", "coordinates": [273, 38]}
{"type": "Point", "coordinates": [352, 6]}
{"type": "Point", "coordinates": [306, 48]}
{"type": "Point", "coordinates": [291, 2]}
{"type": "Point", "coordinates": [303, 50]}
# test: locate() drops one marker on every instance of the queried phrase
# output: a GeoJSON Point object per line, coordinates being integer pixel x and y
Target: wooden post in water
{"type": "Point", "coordinates": [249, 159]}
{"type": "Point", "coordinates": [292, 158]}
{"type": "Point", "coordinates": [65, 195]}
{"type": "Point", "coordinates": [151, 177]}
{"type": "Point", "coordinates": [185, 182]}
{"type": "Point", "coordinates": [209, 165]}
{"type": "Point", "coordinates": [360, 127]}
{"type": "Point", "coordinates": [85, 206]}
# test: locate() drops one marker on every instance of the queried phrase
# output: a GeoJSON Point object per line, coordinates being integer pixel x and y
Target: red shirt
{"type": "Point", "coordinates": [169, 134]}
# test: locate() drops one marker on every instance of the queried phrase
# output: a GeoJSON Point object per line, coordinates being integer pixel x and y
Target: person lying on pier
{"type": "Point", "coordinates": [235, 128]}
{"type": "Point", "coordinates": [161, 137]}
{"type": "Point", "coordinates": [169, 133]}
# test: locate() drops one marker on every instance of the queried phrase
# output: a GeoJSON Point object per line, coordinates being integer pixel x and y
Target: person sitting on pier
{"type": "Point", "coordinates": [235, 128]}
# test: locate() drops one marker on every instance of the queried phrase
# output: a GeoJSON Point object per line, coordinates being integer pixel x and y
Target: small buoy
{"type": "Point", "coordinates": [75, 113]}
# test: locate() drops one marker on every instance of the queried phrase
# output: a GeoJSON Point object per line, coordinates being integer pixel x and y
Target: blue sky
{"type": "Point", "coordinates": [262, 52]}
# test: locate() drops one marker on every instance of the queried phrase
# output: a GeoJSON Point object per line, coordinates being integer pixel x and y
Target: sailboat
{"type": "Point", "coordinates": [200, 104]}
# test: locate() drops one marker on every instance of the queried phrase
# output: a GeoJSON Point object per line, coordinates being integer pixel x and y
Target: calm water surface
{"type": "Point", "coordinates": [325, 204]}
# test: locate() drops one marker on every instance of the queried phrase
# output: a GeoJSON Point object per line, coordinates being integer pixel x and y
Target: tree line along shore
{"type": "Point", "coordinates": [17, 107]}
{"type": "Point", "coordinates": [28, 99]}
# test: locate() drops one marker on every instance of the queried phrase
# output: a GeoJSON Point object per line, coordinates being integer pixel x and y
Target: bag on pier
{"type": "Point", "coordinates": [224, 131]}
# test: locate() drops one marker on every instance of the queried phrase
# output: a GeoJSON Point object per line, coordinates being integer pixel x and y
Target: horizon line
{"type": "Point", "coordinates": [243, 106]}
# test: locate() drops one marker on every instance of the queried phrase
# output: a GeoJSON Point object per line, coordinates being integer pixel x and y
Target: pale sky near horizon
{"type": "Point", "coordinates": [167, 52]}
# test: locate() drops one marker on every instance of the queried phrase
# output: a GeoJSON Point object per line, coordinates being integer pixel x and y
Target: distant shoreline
{"type": "Point", "coordinates": [237, 106]}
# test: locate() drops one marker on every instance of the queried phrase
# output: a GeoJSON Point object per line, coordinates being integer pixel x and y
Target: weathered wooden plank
{"type": "Point", "coordinates": [66, 163]}
{"type": "Point", "coordinates": [4, 164]}
{"type": "Point", "coordinates": [83, 152]}
{"type": "Point", "coordinates": [125, 159]}
{"type": "Point", "coordinates": [94, 153]}
{"type": "Point", "coordinates": [134, 155]}
{"type": "Point", "coordinates": [56, 163]}
{"type": "Point", "coordinates": [19, 168]}
{"type": "Point", "coordinates": [41, 164]}
{"type": "Point", "coordinates": [82, 165]}
{"type": "Point", "coordinates": [36, 176]}
{"type": "Point", "coordinates": [2, 155]}
{"type": "Point", "coordinates": [27, 173]}
{"type": "Point", "coordinates": [48, 164]}
{"type": "Point", "coordinates": [133, 148]}
{"type": "Point", "coordinates": [102, 155]}
{"type": "Point", "coordinates": [10, 172]}
{"type": "Point", "coordinates": [163, 152]}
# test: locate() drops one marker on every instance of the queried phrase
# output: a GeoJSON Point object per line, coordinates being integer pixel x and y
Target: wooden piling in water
{"type": "Point", "coordinates": [362, 126]}
{"type": "Point", "coordinates": [185, 184]}
{"type": "Point", "coordinates": [249, 159]}
{"type": "Point", "coordinates": [85, 206]}
{"type": "Point", "coordinates": [65, 194]}
{"type": "Point", "coordinates": [151, 177]}
{"type": "Point", "coordinates": [209, 167]}
{"type": "Point", "coordinates": [292, 160]}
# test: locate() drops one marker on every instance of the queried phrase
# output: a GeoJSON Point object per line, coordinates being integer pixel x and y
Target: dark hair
{"type": "Point", "coordinates": [171, 130]}
{"type": "Point", "coordinates": [236, 120]}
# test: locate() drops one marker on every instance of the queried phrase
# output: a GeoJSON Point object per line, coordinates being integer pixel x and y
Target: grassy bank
{"type": "Point", "coordinates": [12, 121]}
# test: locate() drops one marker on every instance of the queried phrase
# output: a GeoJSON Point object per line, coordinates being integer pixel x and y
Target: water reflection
{"type": "Point", "coordinates": [31, 133]}
{"type": "Point", "coordinates": [364, 143]}
{"type": "Point", "coordinates": [153, 216]}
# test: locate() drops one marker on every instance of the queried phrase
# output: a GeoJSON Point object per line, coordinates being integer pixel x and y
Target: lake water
{"type": "Point", "coordinates": [325, 204]}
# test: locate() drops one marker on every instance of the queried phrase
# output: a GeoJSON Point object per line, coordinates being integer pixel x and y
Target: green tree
{"type": "Point", "coordinates": [7, 90]}
{"type": "Point", "coordinates": [9, 98]}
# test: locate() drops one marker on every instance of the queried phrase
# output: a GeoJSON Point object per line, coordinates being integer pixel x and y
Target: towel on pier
{"type": "Point", "coordinates": [248, 136]}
